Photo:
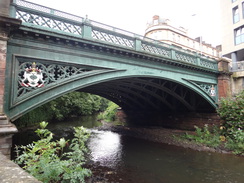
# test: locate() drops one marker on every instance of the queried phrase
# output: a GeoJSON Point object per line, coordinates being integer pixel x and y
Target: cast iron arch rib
{"type": "Point", "coordinates": [148, 93]}
{"type": "Point", "coordinates": [136, 86]}
{"type": "Point", "coordinates": [125, 93]}
{"type": "Point", "coordinates": [168, 91]}
{"type": "Point", "coordinates": [121, 98]}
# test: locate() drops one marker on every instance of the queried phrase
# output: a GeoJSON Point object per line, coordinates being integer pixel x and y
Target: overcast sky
{"type": "Point", "coordinates": [133, 15]}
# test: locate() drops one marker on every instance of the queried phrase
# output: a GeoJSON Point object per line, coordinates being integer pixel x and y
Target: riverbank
{"type": "Point", "coordinates": [103, 174]}
{"type": "Point", "coordinates": [156, 134]}
{"type": "Point", "coordinates": [162, 135]}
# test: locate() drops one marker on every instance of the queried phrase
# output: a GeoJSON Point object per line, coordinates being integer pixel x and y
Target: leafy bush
{"type": "Point", "coordinates": [46, 160]}
{"type": "Point", "coordinates": [42, 113]}
{"type": "Point", "coordinates": [110, 113]}
{"type": "Point", "coordinates": [204, 136]}
{"type": "Point", "coordinates": [72, 104]}
{"type": "Point", "coordinates": [231, 110]}
{"type": "Point", "coordinates": [231, 134]}
{"type": "Point", "coordinates": [75, 104]}
{"type": "Point", "coordinates": [235, 141]}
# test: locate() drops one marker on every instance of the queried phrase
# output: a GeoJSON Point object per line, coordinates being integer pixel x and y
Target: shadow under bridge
{"type": "Point", "coordinates": [147, 98]}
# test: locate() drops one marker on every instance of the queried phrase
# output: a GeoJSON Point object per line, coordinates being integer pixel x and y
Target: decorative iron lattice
{"type": "Point", "coordinates": [156, 50]}
{"type": "Point", "coordinates": [208, 64]}
{"type": "Point", "coordinates": [208, 88]}
{"type": "Point", "coordinates": [44, 9]}
{"type": "Point", "coordinates": [185, 58]}
{"type": "Point", "coordinates": [51, 23]}
{"type": "Point", "coordinates": [112, 38]}
{"type": "Point", "coordinates": [57, 20]}
{"type": "Point", "coordinates": [35, 75]}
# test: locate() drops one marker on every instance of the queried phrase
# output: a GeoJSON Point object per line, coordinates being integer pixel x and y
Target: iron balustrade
{"type": "Point", "coordinates": [43, 17]}
{"type": "Point", "coordinates": [237, 66]}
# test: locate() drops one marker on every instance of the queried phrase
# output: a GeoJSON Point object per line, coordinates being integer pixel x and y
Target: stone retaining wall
{"type": "Point", "coordinates": [12, 173]}
{"type": "Point", "coordinates": [183, 121]}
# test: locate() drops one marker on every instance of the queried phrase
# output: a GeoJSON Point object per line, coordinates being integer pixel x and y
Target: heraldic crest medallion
{"type": "Point", "coordinates": [33, 77]}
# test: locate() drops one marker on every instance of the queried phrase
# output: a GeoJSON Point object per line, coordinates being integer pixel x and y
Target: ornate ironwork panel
{"type": "Point", "coordinates": [47, 22]}
{"type": "Point", "coordinates": [208, 64]}
{"type": "Point", "coordinates": [156, 50]}
{"type": "Point", "coordinates": [185, 58]}
{"type": "Point", "coordinates": [208, 88]}
{"type": "Point", "coordinates": [114, 38]}
{"type": "Point", "coordinates": [34, 75]}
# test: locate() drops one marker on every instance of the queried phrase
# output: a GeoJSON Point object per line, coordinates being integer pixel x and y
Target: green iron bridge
{"type": "Point", "coordinates": [52, 53]}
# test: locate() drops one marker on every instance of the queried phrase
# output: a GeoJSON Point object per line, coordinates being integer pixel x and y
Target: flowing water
{"type": "Point", "coordinates": [121, 158]}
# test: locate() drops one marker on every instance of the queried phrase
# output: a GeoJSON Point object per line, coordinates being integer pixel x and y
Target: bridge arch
{"type": "Point", "coordinates": [69, 53]}
{"type": "Point", "coordinates": [138, 73]}
{"type": "Point", "coordinates": [135, 91]}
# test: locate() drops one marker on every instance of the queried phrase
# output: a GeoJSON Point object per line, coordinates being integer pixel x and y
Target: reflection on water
{"type": "Point", "coordinates": [156, 163]}
{"type": "Point", "coordinates": [105, 148]}
{"type": "Point", "coordinates": [135, 160]}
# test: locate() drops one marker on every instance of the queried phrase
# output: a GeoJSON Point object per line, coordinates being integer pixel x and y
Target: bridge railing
{"type": "Point", "coordinates": [237, 66]}
{"type": "Point", "coordinates": [41, 17]}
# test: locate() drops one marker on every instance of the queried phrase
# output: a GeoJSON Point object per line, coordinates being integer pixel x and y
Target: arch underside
{"type": "Point", "coordinates": [150, 94]}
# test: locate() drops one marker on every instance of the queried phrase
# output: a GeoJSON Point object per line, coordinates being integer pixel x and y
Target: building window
{"type": "Point", "coordinates": [155, 35]}
{"type": "Point", "coordinates": [173, 37]}
{"type": "Point", "coordinates": [155, 22]}
{"type": "Point", "coordinates": [239, 35]}
{"type": "Point", "coordinates": [178, 40]}
{"type": "Point", "coordinates": [236, 17]}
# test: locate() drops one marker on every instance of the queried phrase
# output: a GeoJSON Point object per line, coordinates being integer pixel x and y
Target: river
{"type": "Point", "coordinates": [116, 157]}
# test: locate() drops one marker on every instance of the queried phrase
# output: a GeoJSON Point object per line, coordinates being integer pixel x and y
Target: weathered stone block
{"type": "Point", "coordinates": [3, 120]}
{"type": "Point", "coordinates": [6, 144]}
{"type": "Point", "coordinates": [4, 7]}
{"type": "Point", "coordinates": [11, 172]}
{"type": "Point", "coordinates": [2, 63]}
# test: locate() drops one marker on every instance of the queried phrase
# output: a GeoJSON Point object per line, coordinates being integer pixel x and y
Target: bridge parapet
{"type": "Point", "coordinates": [48, 19]}
{"type": "Point", "coordinates": [237, 66]}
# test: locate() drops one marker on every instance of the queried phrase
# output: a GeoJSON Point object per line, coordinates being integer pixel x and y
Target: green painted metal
{"type": "Point", "coordinates": [72, 53]}
{"type": "Point", "coordinates": [44, 19]}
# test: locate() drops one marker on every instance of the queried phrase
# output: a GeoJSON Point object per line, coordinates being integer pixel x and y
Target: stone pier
{"type": "Point", "coordinates": [7, 130]}
{"type": "Point", "coordinates": [7, 24]}
{"type": "Point", "coordinates": [224, 78]}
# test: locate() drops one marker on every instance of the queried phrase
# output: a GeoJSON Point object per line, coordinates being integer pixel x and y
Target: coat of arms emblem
{"type": "Point", "coordinates": [212, 91]}
{"type": "Point", "coordinates": [33, 77]}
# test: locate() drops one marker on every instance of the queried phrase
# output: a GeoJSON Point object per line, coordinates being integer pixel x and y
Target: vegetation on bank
{"type": "Point", "coordinates": [230, 135]}
{"type": "Point", "coordinates": [72, 104]}
{"type": "Point", "coordinates": [109, 114]}
{"type": "Point", "coordinates": [47, 161]}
